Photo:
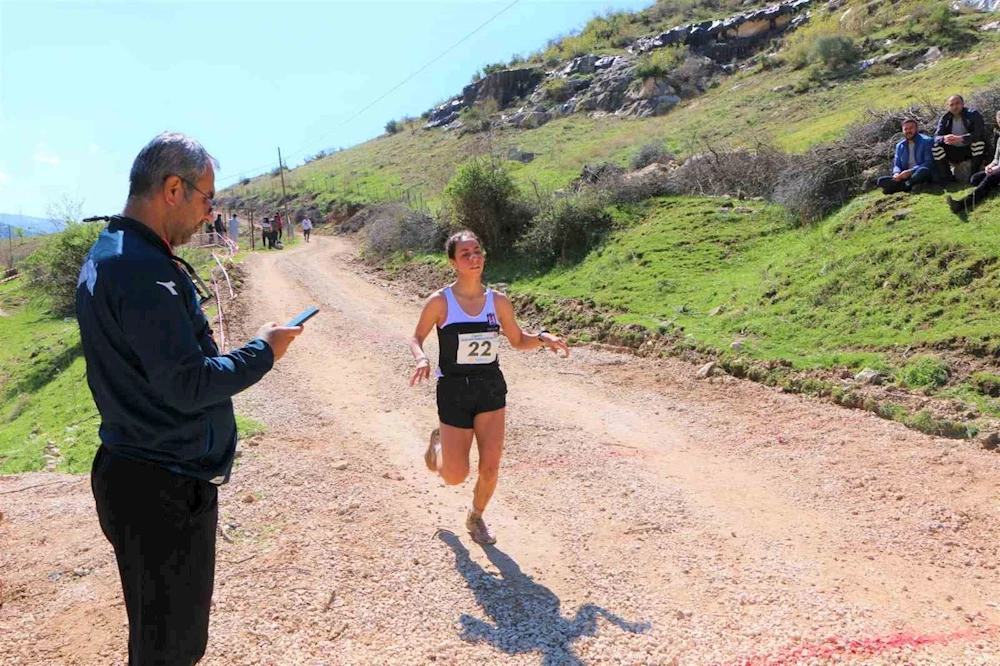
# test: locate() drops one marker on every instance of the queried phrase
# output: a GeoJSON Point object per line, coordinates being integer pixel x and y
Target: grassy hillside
{"type": "Point", "coordinates": [47, 415]}
{"type": "Point", "coordinates": [742, 108]}
{"type": "Point", "coordinates": [897, 284]}
{"type": "Point", "coordinates": [884, 274]}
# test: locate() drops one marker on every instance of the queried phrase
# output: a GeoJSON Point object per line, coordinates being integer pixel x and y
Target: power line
{"type": "Point", "coordinates": [386, 94]}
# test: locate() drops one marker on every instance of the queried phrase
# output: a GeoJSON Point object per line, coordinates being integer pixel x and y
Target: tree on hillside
{"type": "Point", "coordinates": [67, 210]}
{"type": "Point", "coordinates": [11, 232]}
{"type": "Point", "coordinates": [483, 197]}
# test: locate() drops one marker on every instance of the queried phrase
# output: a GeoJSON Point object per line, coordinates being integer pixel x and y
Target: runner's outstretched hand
{"type": "Point", "coordinates": [421, 372]}
{"type": "Point", "coordinates": [554, 344]}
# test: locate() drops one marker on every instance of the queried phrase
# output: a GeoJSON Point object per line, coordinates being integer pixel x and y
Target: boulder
{"type": "Point", "coordinates": [982, 5]}
{"type": "Point", "coordinates": [607, 90]}
{"type": "Point", "coordinates": [990, 442]}
{"type": "Point", "coordinates": [583, 65]}
{"type": "Point", "coordinates": [868, 376]}
{"type": "Point", "coordinates": [515, 154]}
{"type": "Point", "coordinates": [502, 87]}
{"type": "Point", "coordinates": [706, 370]}
{"type": "Point", "coordinates": [933, 55]}
{"type": "Point", "coordinates": [530, 119]}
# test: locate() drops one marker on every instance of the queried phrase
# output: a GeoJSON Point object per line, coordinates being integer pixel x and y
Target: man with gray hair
{"type": "Point", "coordinates": [163, 390]}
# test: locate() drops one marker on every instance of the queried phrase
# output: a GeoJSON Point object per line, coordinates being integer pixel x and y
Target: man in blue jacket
{"type": "Point", "coordinates": [163, 389]}
{"type": "Point", "coordinates": [914, 162]}
{"type": "Point", "coordinates": [960, 137]}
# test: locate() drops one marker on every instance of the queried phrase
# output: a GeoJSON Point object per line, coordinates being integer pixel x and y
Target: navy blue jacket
{"type": "Point", "coordinates": [975, 128]}
{"type": "Point", "coordinates": [162, 388]}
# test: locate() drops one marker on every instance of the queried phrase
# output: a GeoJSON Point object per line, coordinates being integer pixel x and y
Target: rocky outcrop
{"type": "Point", "coordinates": [445, 114]}
{"type": "Point", "coordinates": [982, 5]}
{"type": "Point", "coordinates": [503, 87]}
{"type": "Point", "coordinates": [732, 37]}
{"type": "Point", "coordinates": [608, 84]}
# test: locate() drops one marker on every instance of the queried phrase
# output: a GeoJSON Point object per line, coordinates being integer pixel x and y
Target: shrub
{"type": "Point", "coordinates": [392, 127]}
{"type": "Point", "coordinates": [245, 182]}
{"type": "Point", "coordinates": [615, 186]}
{"type": "Point", "coordinates": [660, 62]}
{"type": "Point", "coordinates": [988, 103]}
{"type": "Point", "coordinates": [741, 172]}
{"type": "Point", "coordinates": [389, 229]}
{"type": "Point", "coordinates": [493, 68]}
{"type": "Point", "coordinates": [557, 90]}
{"type": "Point", "coordinates": [830, 175]}
{"type": "Point", "coordinates": [650, 153]}
{"type": "Point", "coordinates": [55, 266]}
{"type": "Point", "coordinates": [837, 53]}
{"type": "Point", "coordinates": [478, 118]}
{"type": "Point", "coordinates": [986, 383]}
{"type": "Point", "coordinates": [924, 372]}
{"type": "Point", "coordinates": [566, 228]}
{"type": "Point", "coordinates": [483, 198]}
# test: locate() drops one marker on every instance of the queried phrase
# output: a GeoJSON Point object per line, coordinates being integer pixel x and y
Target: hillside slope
{"type": "Point", "coordinates": [896, 286]}
{"type": "Point", "coordinates": [770, 97]}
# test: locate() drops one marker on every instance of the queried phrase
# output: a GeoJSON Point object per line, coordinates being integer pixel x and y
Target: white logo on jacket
{"type": "Point", "coordinates": [169, 286]}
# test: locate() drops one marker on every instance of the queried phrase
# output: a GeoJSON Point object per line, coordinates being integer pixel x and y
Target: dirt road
{"type": "Point", "coordinates": [644, 516]}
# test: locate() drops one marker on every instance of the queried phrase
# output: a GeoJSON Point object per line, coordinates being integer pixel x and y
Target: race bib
{"type": "Point", "coordinates": [477, 348]}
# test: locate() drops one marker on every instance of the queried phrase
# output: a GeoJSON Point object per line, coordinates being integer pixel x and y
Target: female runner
{"type": "Point", "coordinates": [471, 391]}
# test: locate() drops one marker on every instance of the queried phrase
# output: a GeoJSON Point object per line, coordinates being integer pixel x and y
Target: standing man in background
{"type": "Point", "coordinates": [277, 225]}
{"type": "Point", "coordinates": [220, 229]}
{"type": "Point", "coordinates": [307, 227]}
{"type": "Point", "coordinates": [163, 390]}
{"type": "Point", "coordinates": [234, 230]}
{"type": "Point", "coordinates": [265, 233]}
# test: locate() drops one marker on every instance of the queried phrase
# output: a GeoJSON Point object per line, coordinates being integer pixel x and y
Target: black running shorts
{"type": "Point", "coordinates": [460, 399]}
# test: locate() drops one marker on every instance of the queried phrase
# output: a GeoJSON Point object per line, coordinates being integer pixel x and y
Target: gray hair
{"type": "Point", "coordinates": [168, 154]}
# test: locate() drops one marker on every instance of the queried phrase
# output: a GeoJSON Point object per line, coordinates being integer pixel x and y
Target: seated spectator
{"type": "Point", "coordinates": [914, 161]}
{"type": "Point", "coordinates": [986, 182]}
{"type": "Point", "coordinates": [960, 137]}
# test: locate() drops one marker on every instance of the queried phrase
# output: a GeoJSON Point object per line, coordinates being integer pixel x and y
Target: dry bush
{"type": "Point", "coordinates": [652, 152]}
{"type": "Point", "coordinates": [740, 172]}
{"type": "Point", "coordinates": [390, 228]}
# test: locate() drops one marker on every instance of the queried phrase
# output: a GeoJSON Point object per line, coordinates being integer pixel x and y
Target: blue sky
{"type": "Point", "coordinates": [84, 85]}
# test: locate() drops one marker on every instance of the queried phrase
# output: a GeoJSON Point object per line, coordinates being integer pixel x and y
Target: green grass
{"type": "Point", "coordinates": [849, 292]}
{"type": "Point", "coordinates": [742, 109]}
{"type": "Point", "coordinates": [44, 397]}
{"type": "Point", "coordinates": [43, 390]}
{"type": "Point", "coordinates": [249, 427]}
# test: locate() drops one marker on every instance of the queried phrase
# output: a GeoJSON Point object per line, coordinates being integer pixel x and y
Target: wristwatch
{"type": "Point", "coordinates": [540, 331]}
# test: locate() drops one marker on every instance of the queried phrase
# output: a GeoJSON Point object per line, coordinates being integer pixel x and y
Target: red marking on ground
{"type": "Point", "coordinates": [857, 647]}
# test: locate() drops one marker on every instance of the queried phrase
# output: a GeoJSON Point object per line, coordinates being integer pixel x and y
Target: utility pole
{"type": "Point", "coordinates": [281, 171]}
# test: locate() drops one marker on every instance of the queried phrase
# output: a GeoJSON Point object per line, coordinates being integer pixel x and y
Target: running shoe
{"type": "Point", "coordinates": [432, 456]}
{"type": "Point", "coordinates": [479, 530]}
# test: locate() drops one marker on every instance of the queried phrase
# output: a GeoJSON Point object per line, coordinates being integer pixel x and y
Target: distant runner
{"type": "Point", "coordinates": [471, 391]}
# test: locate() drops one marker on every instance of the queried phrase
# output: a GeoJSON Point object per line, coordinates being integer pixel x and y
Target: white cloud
{"type": "Point", "coordinates": [94, 148]}
{"type": "Point", "coordinates": [43, 156]}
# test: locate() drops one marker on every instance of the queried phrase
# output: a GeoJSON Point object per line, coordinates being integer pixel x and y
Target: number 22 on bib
{"type": "Point", "coordinates": [477, 348]}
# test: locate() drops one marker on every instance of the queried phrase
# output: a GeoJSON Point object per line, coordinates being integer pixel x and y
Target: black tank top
{"type": "Point", "coordinates": [468, 344]}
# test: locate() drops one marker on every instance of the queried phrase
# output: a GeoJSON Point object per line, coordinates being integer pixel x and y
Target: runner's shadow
{"type": "Point", "coordinates": [525, 615]}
